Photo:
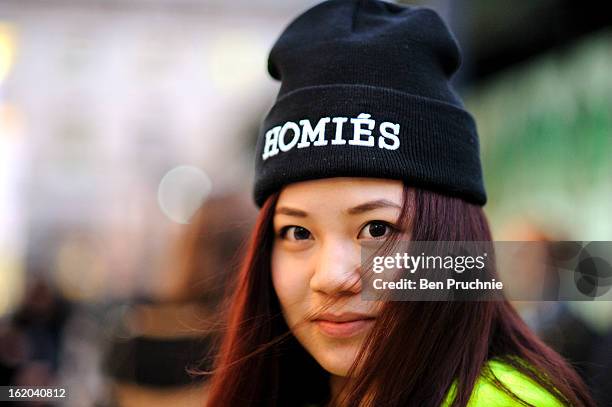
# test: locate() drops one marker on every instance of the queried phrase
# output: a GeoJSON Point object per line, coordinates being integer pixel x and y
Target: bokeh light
{"type": "Point", "coordinates": [182, 190]}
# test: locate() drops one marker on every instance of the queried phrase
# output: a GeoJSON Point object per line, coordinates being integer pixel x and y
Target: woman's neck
{"type": "Point", "coordinates": [336, 384]}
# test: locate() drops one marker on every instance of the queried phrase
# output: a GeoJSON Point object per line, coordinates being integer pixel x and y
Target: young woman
{"type": "Point", "coordinates": [368, 142]}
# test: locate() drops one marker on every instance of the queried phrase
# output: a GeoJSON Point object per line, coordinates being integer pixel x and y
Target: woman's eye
{"type": "Point", "coordinates": [295, 233]}
{"type": "Point", "coordinates": [376, 230]}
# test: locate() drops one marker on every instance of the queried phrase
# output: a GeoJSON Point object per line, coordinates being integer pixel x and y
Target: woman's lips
{"type": "Point", "coordinates": [343, 327]}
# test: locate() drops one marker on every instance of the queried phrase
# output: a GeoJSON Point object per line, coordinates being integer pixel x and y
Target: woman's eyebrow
{"type": "Point", "coordinates": [284, 210]}
{"type": "Point", "coordinates": [364, 207]}
{"type": "Point", "coordinates": [371, 205]}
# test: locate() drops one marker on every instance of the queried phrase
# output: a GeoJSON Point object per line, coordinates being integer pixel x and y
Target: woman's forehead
{"type": "Point", "coordinates": [341, 193]}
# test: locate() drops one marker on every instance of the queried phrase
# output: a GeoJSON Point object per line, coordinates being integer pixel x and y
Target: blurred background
{"type": "Point", "coordinates": [127, 130]}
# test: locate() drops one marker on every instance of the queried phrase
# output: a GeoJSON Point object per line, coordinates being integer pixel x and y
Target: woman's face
{"type": "Point", "coordinates": [316, 257]}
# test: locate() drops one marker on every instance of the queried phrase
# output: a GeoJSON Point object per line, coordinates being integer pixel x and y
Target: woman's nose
{"type": "Point", "coordinates": [337, 268]}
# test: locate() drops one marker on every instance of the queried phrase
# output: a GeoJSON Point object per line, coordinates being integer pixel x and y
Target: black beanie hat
{"type": "Point", "coordinates": [365, 92]}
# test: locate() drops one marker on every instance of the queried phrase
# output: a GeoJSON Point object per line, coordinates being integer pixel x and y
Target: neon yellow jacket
{"type": "Point", "coordinates": [486, 394]}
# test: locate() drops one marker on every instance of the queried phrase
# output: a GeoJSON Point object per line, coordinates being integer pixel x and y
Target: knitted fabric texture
{"type": "Point", "coordinates": [365, 92]}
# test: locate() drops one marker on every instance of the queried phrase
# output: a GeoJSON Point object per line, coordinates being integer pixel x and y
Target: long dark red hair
{"type": "Point", "coordinates": [431, 345]}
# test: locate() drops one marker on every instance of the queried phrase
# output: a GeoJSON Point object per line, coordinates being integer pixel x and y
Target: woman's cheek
{"type": "Point", "coordinates": [291, 282]}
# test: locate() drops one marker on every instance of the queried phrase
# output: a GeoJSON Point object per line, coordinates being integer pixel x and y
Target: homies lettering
{"type": "Point", "coordinates": [290, 135]}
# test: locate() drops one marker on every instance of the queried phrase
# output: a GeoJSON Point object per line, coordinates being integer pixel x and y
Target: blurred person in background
{"type": "Point", "coordinates": [31, 340]}
{"type": "Point", "coordinates": [600, 371]}
{"type": "Point", "coordinates": [554, 321]}
{"type": "Point", "coordinates": [405, 165]}
{"type": "Point", "coordinates": [162, 339]}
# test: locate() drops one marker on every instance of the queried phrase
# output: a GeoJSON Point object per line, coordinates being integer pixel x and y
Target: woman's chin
{"type": "Point", "coordinates": [336, 361]}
